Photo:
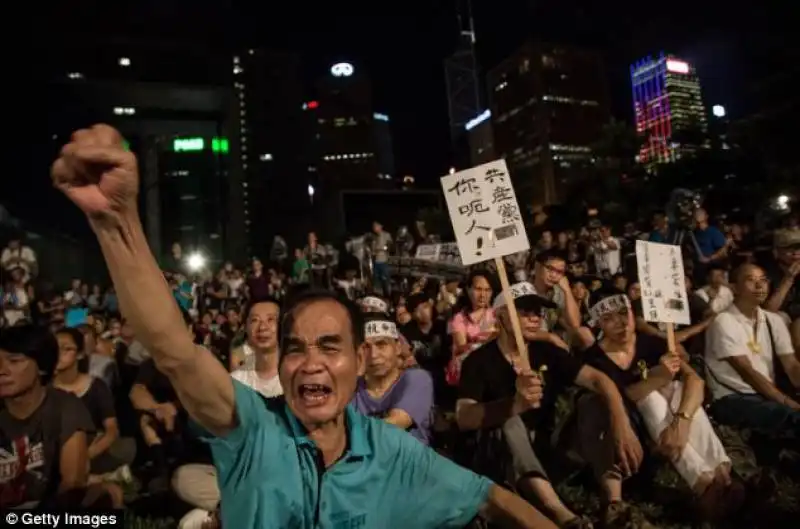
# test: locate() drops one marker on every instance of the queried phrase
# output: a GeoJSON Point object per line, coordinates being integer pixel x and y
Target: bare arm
{"type": "Point", "coordinates": [657, 378]}
{"type": "Point", "coordinates": [509, 510]}
{"type": "Point", "coordinates": [792, 368]}
{"type": "Point", "coordinates": [571, 318]}
{"type": "Point", "coordinates": [757, 381]}
{"type": "Point", "coordinates": [399, 418]}
{"type": "Point", "coordinates": [203, 386]}
{"type": "Point", "coordinates": [595, 381]}
{"type": "Point", "coordinates": [775, 301]}
{"type": "Point", "coordinates": [693, 391]}
{"type": "Point", "coordinates": [73, 463]}
{"type": "Point", "coordinates": [104, 441]}
{"type": "Point", "coordinates": [142, 399]}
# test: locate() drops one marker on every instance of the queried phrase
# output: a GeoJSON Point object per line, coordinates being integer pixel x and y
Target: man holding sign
{"type": "Point", "coordinates": [497, 392]}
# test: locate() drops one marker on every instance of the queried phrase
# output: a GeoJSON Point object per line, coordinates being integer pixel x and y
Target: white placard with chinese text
{"type": "Point", "coordinates": [485, 214]}
{"type": "Point", "coordinates": [446, 252]}
{"type": "Point", "coordinates": [661, 278]}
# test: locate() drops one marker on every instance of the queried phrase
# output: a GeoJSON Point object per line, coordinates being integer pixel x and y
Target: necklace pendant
{"type": "Point", "coordinates": [754, 346]}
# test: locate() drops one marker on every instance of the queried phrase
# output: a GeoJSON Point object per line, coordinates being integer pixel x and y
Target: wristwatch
{"type": "Point", "coordinates": [683, 415]}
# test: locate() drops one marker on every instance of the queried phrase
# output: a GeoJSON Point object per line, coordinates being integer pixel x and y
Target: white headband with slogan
{"type": "Point", "coordinates": [381, 329]}
{"type": "Point", "coordinates": [608, 305]}
{"type": "Point", "coordinates": [373, 303]}
{"type": "Point", "coordinates": [518, 290]}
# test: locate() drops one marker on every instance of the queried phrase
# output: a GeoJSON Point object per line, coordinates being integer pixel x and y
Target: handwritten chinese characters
{"type": "Point", "coordinates": [484, 211]}
{"type": "Point", "coordinates": [661, 276]}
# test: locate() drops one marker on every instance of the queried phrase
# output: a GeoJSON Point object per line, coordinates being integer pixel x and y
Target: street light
{"type": "Point", "coordinates": [196, 262]}
{"type": "Point", "coordinates": [718, 111]}
{"type": "Point", "coordinates": [781, 203]}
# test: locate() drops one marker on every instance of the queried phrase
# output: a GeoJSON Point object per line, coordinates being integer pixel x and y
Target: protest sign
{"type": "Point", "coordinates": [484, 212]}
{"type": "Point", "coordinates": [488, 225]}
{"type": "Point", "coordinates": [662, 280]}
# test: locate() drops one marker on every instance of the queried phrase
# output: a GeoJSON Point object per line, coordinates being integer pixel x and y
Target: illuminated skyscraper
{"type": "Point", "coordinates": [549, 104]}
{"type": "Point", "coordinates": [666, 102]}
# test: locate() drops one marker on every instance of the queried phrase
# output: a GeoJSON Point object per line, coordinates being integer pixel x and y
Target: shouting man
{"type": "Point", "coordinates": [305, 460]}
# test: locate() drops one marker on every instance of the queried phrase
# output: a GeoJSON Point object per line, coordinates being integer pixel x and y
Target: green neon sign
{"type": "Point", "coordinates": [188, 144]}
{"type": "Point", "coordinates": [218, 145]}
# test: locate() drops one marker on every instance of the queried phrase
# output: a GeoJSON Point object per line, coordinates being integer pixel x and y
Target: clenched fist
{"type": "Point", "coordinates": [529, 389]}
{"type": "Point", "coordinates": [671, 361]}
{"type": "Point", "coordinates": [97, 173]}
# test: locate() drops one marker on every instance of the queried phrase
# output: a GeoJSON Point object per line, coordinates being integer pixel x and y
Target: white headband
{"type": "Point", "coordinates": [376, 304]}
{"type": "Point", "coordinates": [381, 329]}
{"type": "Point", "coordinates": [608, 305]}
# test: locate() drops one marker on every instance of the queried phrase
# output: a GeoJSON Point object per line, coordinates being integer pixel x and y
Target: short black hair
{"type": "Point", "coordinates": [551, 255]}
{"type": "Point", "coordinates": [76, 335]}
{"type": "Point", "coordinates": [738, 273]}
{"type": "Point", "coordinates": [38, 343]}
{"type": "Point", "coordinates": [257, 301]}
{"type": "Point", "coordinates": [310, 296]}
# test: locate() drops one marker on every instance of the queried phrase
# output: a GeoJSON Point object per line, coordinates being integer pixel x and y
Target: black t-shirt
{"type": "Point", "coordinates": [427, 347]}
{"type": "Point", "coordinates": [649, 350]}
{"type": "Point", "coordinates": [156, 382]}
{"type": "Point", "coordinates": [487, 376]}
{"type": "Point", "coordinates": [99, 401]}
{"type": "Point", "coordinates": [30, 449]}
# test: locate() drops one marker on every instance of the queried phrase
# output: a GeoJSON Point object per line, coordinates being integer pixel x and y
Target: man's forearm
{"type": "Point", "coordinates": [480, 415]}
{"type": "Point", "coordinates": [509, 510]}
{"type": "Point", "coordinates": [603, 386]}
{"type": "Point", "coordinates": [143, 294]}
{"type": "Point", "coordinates": [572, 313]}
{"type": "Point", "coordinates": [776, 300]}
{"type": "Point", "coordinates": [693, 393]}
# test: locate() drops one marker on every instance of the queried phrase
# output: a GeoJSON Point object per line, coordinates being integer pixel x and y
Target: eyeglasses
{"type": "Point", "coordinates": [553, 270]}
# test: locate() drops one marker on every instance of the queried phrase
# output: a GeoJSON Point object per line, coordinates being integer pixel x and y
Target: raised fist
{"type": "Point", "coordinates": [97, 173]}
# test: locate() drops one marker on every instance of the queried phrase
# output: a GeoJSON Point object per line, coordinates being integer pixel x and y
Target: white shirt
{"type": "Point", "coordinates": [21, 257]}
{"type": "Point", "coordinates": [729, 335]}
{"type": "Point", "coordinates": [606, 259]}
{"type": "Point", "coordinates": [268, 387]}
{"type": "Point", "coordinates": [17, 302]}
{"type": "Point", "coordinates": [234, 285]}
{"type": "Point", "coordinates": [721, 302]}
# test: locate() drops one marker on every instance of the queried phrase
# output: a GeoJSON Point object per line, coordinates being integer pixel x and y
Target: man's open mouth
{"type": "Point", "coordinates": [314, 393]}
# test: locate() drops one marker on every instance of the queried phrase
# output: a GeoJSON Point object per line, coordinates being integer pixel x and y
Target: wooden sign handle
{"type": "Point", "coordinates": [524, 361]}
{"type": "Point", "coordinates": [671, 345]}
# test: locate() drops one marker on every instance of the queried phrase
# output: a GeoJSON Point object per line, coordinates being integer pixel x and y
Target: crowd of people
{"type": "Point", "coordinates": [305, 393]}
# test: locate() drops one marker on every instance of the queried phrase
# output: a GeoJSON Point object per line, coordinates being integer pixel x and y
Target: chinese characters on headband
{"type": "Point", "coordinates": [484, 211]}
{"type": "Point", "coordinates": [661, 275]}
{"type": "Point", "coordinates": [380, 329]}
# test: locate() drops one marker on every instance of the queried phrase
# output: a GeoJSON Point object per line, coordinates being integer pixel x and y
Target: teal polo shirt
{"type": "Point", "coordinates": [271, 475]}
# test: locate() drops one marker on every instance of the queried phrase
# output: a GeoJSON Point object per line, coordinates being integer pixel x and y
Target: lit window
{"type": "Point", "coordinates": [75, 75]}
{"type": "Point", "coordinates": [124, 61]}
{"type": "Point", "coordinates": [265, 157]}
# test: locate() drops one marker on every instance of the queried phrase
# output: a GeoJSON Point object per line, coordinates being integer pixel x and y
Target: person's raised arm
{"type": "Point", "coordinates": [101, 177]}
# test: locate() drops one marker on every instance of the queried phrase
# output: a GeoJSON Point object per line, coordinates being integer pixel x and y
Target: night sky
{"type": "Point", "coordinates": [403, 47]}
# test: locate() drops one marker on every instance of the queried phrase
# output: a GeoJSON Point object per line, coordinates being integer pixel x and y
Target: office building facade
{"type": "Point", "coordinates": [548, 105]}
{"type": "Point", "coordinates": [274, 157]}
{"type": "Point", "coordinates": [480, 138]}
{"type": "Point", "coordinates": [173, 103]}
